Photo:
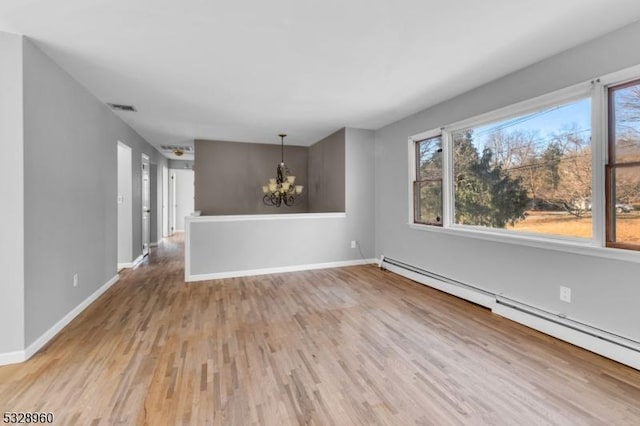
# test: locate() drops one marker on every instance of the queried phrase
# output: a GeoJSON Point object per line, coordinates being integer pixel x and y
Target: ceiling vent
{"type": "Point", "coordinates": [120, 107]}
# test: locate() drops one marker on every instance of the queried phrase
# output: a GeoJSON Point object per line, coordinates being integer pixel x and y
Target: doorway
{"type": "Point", "coordinates": [146, 205]}
{"type": "Point", "coordinates": [181, 197]}
{"type": "Point", "coordinates": [165, 201]}
{"type": "Point", "coordinates": [125, 206]}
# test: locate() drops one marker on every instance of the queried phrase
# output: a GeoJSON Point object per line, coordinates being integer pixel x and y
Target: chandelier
{"type": "Point", "coordinates": [281, 189]}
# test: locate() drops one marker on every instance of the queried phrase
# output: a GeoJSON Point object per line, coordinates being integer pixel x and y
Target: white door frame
{"type": "Point", "coordinates": [146, 205]}
{"type": "Point", "coordinates": [165, 201]}
{"type": "Point", "coordinates": [124, 203]}
{"type": "Point", "coordinates": [172, 202]}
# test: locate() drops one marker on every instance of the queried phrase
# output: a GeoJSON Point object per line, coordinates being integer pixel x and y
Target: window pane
{"type": "Point", "coordinates": [428, 202]}
{"type": "Point", "coordinates": [626, 223]}
{"type": "Point", "coordinates": [530, 173]}
{"type": "Point", "coordinates": [626, 120]}
{"type": "Point", "coordinates": [429, 153]}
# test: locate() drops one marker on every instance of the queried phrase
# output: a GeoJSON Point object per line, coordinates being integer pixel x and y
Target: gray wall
{"type": "Point", "coordinates": [605, 292]}
{"type": "Point", "coordinates": [229, 176]}
{"type": "Point", "coordinates": [11, 194]}
{"type": "Point", "coordinates": [180, 164]}
{"type": "Point", "coordinates": [218, 247]}
{"type": "Point", "coordinates": [326, 187]}
{"type": "Point", "coordinates": [70, 226]}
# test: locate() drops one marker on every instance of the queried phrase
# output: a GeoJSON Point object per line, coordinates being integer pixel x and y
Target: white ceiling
{"type": "Point", "coordinates": [246, 70]}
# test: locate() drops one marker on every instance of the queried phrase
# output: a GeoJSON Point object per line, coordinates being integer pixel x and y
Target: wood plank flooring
{"type": "Point", "coordinates": [348, 346]}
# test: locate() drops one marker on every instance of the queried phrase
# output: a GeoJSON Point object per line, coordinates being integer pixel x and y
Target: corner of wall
{"type": "Point", "coordinates": [12, 321]}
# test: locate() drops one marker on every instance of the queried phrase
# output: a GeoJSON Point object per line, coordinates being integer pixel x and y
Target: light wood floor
{"type": "Point", "coordinates": [338, 346]}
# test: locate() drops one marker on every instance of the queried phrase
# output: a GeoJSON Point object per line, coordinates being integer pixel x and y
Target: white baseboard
{"type": "Point", "coordinates": [608, 345]}
{"type": "Point", "coordinates": [154, 244]}
{"type": "Point", "coordinates": [606, 348]}
{"type": "Point", "coordinates": [21, 356]}
{"type": "Point", "coordinates": [278, 270]}
{"type": "Point", "coordinates": [486, 300]}
{"type": "Point", "coordinates": [11, 357]}
{"type": "Point", "coordinates": [131, 265]}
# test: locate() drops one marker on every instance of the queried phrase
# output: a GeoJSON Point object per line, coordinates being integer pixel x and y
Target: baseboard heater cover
{"type": "Point", "coordinates": [439, 282]}
{"type": "Point", "coordinates": [610, 345]}
{"type": "Point", "coordinates": [602, 342]}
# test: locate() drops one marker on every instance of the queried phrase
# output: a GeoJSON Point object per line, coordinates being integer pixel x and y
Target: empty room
{"type": "Point", "coordinates": [320, 212]}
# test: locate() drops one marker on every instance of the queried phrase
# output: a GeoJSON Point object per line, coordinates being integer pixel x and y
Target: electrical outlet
{"type": "Point", "coordinates": [75, 280]}
{"type": "Point", "coordinates": [565, 294]}
{"type": "Point", "coordinates": [353, 243]}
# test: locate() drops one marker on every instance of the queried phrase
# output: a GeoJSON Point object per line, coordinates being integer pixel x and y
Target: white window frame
{"type": "Point", "coordinates": [413, 140]}
{"type": "Point", "coordinates": [596, 245]}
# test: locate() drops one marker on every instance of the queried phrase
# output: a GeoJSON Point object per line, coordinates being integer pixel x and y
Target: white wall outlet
{"type": "Point", "coordinates": [565, 294]}
{"type": "Point", "coordinates": [75, 280]}
{"type": "Point", "coordinates": [353, 243]}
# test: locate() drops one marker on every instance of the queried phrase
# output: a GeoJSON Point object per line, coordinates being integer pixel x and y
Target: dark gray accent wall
{"type": "Point", "coordinates": [605, 291]}
{"type": "Point", "coordinates": [70, 140]}
{"type": "Point", "coordinates": [326, 188]}
{"type": "Point", "coordinates": [229, 176]}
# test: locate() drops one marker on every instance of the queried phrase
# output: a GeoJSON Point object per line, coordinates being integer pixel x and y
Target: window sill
{"type": "Point", "coordinates": [586, 248]}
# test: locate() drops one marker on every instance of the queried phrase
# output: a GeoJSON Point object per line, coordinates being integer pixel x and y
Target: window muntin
{"type": "Point", "coordinates": [427, 188]}
{"type": "Point", "coordinates": [623, 167]}
{"type": "Point", "coordinates": [529, 173]}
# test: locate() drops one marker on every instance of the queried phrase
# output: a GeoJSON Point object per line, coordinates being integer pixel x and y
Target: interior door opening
{"type": "Point", "coordinates": [124, 202]}
{"type": "Point", "coordinates": [146, 206]}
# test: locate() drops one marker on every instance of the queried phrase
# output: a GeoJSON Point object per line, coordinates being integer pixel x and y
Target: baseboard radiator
{"type": "Point", "coordinates": [602, 342]}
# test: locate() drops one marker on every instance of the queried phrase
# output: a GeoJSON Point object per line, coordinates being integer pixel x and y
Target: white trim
{"type": "Point", "coordinates": [138, 261]}
{"type": "Point", "coordinates": [241, 218]}
{"type": "Point", "coordinates": [11, 357]}
{"type": "Point", "coordinates": [620, 77]}
{"type": "Point", "coordinates": [131, 265]}
{"type": "Point", "coordinates": [566, 95]}
{"type": "Point", "coordinates": [187, 249]}
{"type": "Point", "coordinates": [448, 194]}
{"type": "Point", "coordinates": [486, 300]}
{"type": "Point", "coordinates": [596, 90]}
{"type": "Point", "coordinates": [609, 345]}
{"type": "Point", "coordinates": [572, 335]}
{"type": "Point", "coordinates": [529, 240]}
{"type": "Point", "coordinates": [260, 217]}
{"type": "Point", "coordinates": [599, 138]}
{"type": "Point", "coordinates": [425, 135]}
{"type": "Point", "coordinates": [24, 355]}
{"type": "Point", "coordinates": [412, 173]}
{"type": "Point", "coordinates": [155, 244]}
{"type": "Point", "coordinates": [279, 270]}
